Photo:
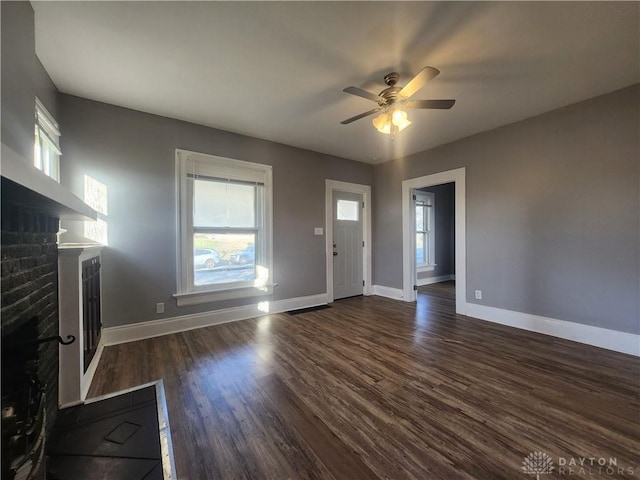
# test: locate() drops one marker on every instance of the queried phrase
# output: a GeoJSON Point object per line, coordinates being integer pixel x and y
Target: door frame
{"type": "Point", "coordinates": [365, 191]}
{"type": "Point", "coordinates": [456, 176]}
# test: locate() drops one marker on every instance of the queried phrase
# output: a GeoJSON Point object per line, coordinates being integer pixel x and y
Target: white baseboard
{"type": "Point", "coordinates": [394, 293]}
{"type": "Point", "coordinates": [165, 326]}
{"type": "Point", "coordinates": [599, 337]}
{"type": "Point", "coordinates": [622, 342]}
{"type": "Point", "coordinates": [429, 280]}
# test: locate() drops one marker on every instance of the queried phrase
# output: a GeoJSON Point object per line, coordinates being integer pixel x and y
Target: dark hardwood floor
{"type": "Point", "coordinates": [373, 388]}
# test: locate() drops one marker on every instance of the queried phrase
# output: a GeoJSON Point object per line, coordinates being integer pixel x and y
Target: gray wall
{"type": "Point", "coordinates": [445, 252]}
{"type": "Point", "coordinates": [553, 219]}
{"type": "Point", "coordinates": [552, 202]}
{"type": "Point", "coordinates": [23, 78]}
{"type": "Point", "coordinates": [133, 153]}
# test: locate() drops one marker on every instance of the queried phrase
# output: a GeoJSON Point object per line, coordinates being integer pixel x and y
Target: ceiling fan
{"type": "Point", "coordinates": [392, 101]}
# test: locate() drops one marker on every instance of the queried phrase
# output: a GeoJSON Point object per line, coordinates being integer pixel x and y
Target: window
{"type": "Point", "coordinates": [425, 229]}
{"type": "Point", "coordinates": [46, 154]}
{"type": "Point", "coordinates": [348, 210]}
{"type": "Point", "coordinates": [224, 210]}
{"type": "Point", "coordinates": [95, 195]}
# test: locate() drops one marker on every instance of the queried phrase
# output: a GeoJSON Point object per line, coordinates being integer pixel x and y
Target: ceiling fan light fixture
{"type": "Point", "coordinates": [403, 122]}
{"type": "Point", "coordinates": [398, 117]}
{"type": "Point", "coordinates": [391, 122]}
{"type": "Point", "coordinates": [382, 123]}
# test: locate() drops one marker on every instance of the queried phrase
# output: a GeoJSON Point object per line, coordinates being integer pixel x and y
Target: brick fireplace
{"type": "Point", "coordinates": [32, 205]}
{"type": "Point", "coordinates": [29, 311]}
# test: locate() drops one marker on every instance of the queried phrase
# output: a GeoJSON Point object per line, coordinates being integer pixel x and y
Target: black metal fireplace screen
{"type": "Point", "coordinates": [92, 322]}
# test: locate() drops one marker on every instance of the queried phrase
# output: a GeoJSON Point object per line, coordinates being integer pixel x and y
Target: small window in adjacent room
{"type": "Point", "coordinates": [46, 155]}
{"type": "Point", "coordinates": [224, 241]}
{"type": "Point", "coordinates": [95, 195]}
{"type": "Point", "coordinates": [425, 229]}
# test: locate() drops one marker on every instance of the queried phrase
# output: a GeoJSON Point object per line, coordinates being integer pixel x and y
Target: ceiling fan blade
{"type": "Point", "coordinates": [364, 94]}
{"type": "Point", "coordinates": [362, 115]}
{"type": "Point", "coordinates": [440, 104]}
{"type": "Point", "coordinates": [419, 81]}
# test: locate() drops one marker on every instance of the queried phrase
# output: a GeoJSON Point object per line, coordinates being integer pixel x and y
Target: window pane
{"type": "Point", "coordinates": [420, 259]}
{"type": "Point", "coordinates": [419, 218]}
{"type": "Point", "coordinates": [427, 249]}
{"type": "Point", "coordinates": [46, 143]}
{"type": "Point", "coordinates": [223, 258]}
{"type": "Point", "coordinates": [348, 210]}
{"type": "Point", "coordinates": [224, 204]}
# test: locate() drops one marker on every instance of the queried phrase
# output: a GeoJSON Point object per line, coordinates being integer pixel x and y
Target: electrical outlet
{"type": "Point", "coordinates": [159, 307]}
{"type": "Point", "coordinates": [478, 294]}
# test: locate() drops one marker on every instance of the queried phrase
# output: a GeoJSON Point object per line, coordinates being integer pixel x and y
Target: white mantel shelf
{"type": "Point", "coordinates": [78, 248]}
{"type": "Point", "coordinates": [29, 187]}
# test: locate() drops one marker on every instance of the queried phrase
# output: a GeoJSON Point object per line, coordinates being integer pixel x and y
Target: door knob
{"type": "Point", "coordinates": [335, 254]}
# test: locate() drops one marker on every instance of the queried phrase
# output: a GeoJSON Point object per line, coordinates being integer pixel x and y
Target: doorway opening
{"type": "Point", "coordinates": [435, 234]}
{"type": "Point", "coordinates": [435, 243]}
{"type": "Point", "coordinates": [421, 262]}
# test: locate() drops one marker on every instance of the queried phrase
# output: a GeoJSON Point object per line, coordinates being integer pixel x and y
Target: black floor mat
{"type": "Point", "coordinates": [306, 310]}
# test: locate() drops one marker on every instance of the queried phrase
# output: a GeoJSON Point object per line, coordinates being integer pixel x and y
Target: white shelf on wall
{"type": "Point", "coordinates": [28, 186]}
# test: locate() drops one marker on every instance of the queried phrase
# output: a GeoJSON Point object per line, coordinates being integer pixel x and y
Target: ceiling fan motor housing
{"type": "Point", "coordinates": [390, 94]}
{"type": "Point", "coordinates": [391, 78]}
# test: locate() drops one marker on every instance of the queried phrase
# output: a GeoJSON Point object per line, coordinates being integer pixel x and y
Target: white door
{"type": "Point", "coordinates": [347, 244]}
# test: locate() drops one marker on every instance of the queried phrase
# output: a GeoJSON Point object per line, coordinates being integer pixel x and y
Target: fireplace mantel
{"type": "Point", "coordinates": [24, 184]}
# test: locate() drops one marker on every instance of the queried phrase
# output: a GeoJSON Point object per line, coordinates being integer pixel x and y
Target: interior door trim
{"type": "Point", "coordinates": [456, 176]}
{"type": "Point", "coordinates": [365, 191]}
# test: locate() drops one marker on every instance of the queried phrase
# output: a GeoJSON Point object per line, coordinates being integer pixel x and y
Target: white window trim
{"type": "Point", "coordinates": [186, 294]}
{"type": "Point", "coordinates": [426, 268]}
{"type": "Point", "coordinates": [429, 266]}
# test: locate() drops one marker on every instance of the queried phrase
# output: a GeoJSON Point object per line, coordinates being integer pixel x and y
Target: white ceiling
{"type": "Point", "coordinates": [276, 70]}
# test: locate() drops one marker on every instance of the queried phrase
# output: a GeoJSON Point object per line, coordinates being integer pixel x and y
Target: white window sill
{"type": "Point", "coordinates": [196, 298]}
{"type": "Point", "coordinates": [426, 268]}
